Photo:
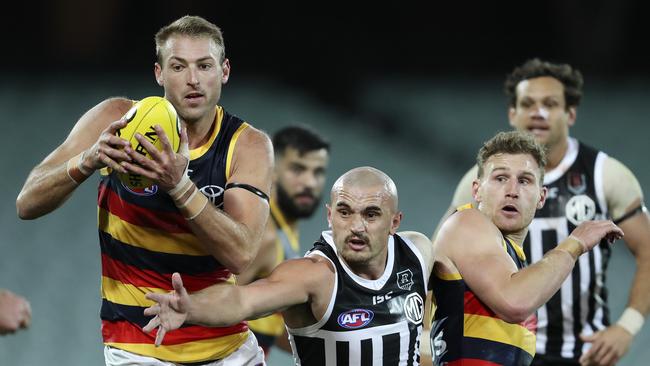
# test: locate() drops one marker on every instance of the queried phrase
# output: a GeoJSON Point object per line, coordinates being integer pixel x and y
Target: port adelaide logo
{"type": "Point", "coordinates": [355, 318]}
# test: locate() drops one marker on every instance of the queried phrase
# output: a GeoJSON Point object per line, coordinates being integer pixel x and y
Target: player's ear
{"type": "Point", "coordinates": [397, 219]}
{"type": "Point", "coordinates": [225, 71]}
{"type": "Point", "coordinates": [573, 113]}
{"type": "Point", "coordinates": [157, 70]}
{"type": "Point", "coordinates": [476, 184]}
{"type": "Point", "coordinates": [542, 197]}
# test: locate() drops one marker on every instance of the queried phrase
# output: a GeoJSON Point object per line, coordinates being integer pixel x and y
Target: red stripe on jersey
{"type": "Point", "coordinates": [473, 305]}
{"type": "Point", "coordinates": [171, 222]}
{"type": "Point", "coordinates": [127, 274]}
{"type": "Point", "coordinates": [125, 332]}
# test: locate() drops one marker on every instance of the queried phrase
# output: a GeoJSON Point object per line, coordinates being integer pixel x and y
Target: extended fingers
{"type": "Point", "coordinates": [153, 323]}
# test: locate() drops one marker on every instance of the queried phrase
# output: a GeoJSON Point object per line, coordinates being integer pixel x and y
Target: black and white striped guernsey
{"type": "Point", "coordinates": [575, 195]}
{"type": "Point", "coordinates": [368, 322]}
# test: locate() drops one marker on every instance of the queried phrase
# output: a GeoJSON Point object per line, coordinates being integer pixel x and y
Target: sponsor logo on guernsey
{"type": "Point", "coordinates": [214, 194]}
{"type": "Point", "coordinates": [405, 279]}
{"type": "Point", "coordinates": [146, 191]}
{"type": "Point", "coordinates": [580, 209]}
{"type": "Point", "coordinates": [355, 318]}
{"type": "Point", "coordinates": [414, 308]}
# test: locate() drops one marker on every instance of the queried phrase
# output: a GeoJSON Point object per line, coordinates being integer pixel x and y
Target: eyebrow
{"type": "Point", "coordinates": [206, 58]}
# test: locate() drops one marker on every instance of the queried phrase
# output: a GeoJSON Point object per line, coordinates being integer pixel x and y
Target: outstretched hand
{"type": "Point", "coordinates": [607, 346]}
{"type": "Point", "coordinates": [170, 310]}
{"type": "Point", "coordinates": [590, 233]}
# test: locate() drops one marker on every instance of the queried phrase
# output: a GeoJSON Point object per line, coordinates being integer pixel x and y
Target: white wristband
{"type": "Point", "coordinates": [631, 320]}
{"type": "Point", "coordinates": [185, 178]}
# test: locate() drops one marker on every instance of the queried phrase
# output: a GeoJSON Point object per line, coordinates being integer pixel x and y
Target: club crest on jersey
{"type": "Point", "coordinates": [355, 318]}
{"type": "Point", "coordinates": [579, 209]}
{"type": "Point", "coordinates": [576, 183]}
{"type": "Point", "coordinates": [414, 308]}
{"type": "Point", "coordinates": [214, 193]}
{"type": "Point", "coordinates": [405, 279]}
{"type": "Point", "coordinates": [146, 191]}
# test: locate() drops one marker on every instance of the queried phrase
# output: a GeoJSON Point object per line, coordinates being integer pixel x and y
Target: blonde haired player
{"type": "Point", "coordinates": [203, 216]}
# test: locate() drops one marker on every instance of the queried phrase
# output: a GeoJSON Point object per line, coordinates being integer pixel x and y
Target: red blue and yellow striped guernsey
{"type": "Point", "coordinates": [144, 239]}
{"type": "Point", "coordinates": [466, 332]}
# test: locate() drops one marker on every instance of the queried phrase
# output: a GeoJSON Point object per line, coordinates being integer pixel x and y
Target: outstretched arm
{"type": "Point", "coordinates": [292, 283]}
{"type": "Point", "coordinates": [473, 246]}
{"type": "Point", "coordinates": [91, 145]}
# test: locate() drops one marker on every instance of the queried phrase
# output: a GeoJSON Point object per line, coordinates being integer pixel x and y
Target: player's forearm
{"type": "Point", "coordinates": [230, 242]}
{"type": "Point", "coordinates": [533, 286]}
{"type": "Point", "coordinates": [640, 292]}
{"type": "Point", "coordinates": [46, 189]}
{"type": "Point", "coordinates": [217, 306]}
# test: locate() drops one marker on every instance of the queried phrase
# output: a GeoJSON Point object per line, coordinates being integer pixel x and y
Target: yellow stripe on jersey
{"type": "Point", "coordinates": [494, 329]}
{"type": "Point", "coordinates": [466, 206]}
{"type": "Point", "coordinates": [231, 147]}
{"type": "Point", "coordinates": [293, 235]}
{"type": "Point", "coordinates": [126, 294]}
{"type": "Point", "coordinates": [272, 325]}
{"type": "Point", "coordinates": [197, 351]}
{"type": "Point", "coordinates": [199, 151]}
{"type": "Point", "coordinates": [150, 239]}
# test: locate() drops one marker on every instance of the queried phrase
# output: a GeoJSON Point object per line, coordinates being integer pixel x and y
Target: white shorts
{"type": "Point", "coordinates": [249, 354]}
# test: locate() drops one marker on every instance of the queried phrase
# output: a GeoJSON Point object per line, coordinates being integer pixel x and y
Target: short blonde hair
{"type": "Point", "coordinates": [193, 26]}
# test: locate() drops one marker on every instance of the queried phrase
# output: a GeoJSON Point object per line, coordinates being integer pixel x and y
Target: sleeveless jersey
{"type": "Point", "coordinates": [368, 322]}
{"type": "Point", "coordinates": [465, 331]}
{"type": "Point", "coordinates": [575, 194]}
{"type": "Point", "coordinates": [144, 239]}
{"type": "Point", "coordinates": [287, 247]}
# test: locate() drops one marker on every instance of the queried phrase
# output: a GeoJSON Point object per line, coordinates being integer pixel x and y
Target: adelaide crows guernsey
{"type": "Point", "coordinates": [465, 331]}
{"type": "Point", "coordinates": [368, 322]}
{"type": "Point", "coordinates": [575, 195]}
{"type": "Point", "coordinates": [144, 239]}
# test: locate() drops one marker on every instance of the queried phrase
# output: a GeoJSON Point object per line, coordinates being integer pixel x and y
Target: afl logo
{"type": "Point", "coordinates": [414, 308]}
{"type": "Point", "coordinates": [580, 209]}
{"type": "Point", "coordinates": [355, 319]}
{"type": "Point", "coordinates": [146, 191]}
{"type": "Point", "coordinates": [214, 194]}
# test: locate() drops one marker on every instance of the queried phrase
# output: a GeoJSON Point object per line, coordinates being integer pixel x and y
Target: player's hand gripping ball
{"type": "Point", "coordinates": [141, 118]}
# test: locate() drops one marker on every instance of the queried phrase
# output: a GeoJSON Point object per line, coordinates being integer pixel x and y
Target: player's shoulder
{"type": "Point", "coordinates": [465, 225]}
{"type": "Point", "coordinates": [115, 106]}
{"type": "Point", "coordinates": [255, 140]}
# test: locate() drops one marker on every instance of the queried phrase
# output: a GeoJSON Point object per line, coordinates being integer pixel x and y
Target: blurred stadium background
{"type": "Point", "coordinates": [409, 90]}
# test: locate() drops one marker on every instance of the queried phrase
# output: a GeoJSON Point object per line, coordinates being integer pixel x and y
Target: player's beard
{"type": "Point", "coordinates": [289, 207]}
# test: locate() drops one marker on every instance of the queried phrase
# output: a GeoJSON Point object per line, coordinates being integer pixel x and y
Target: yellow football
{"type": "Point", "coordinates": [142, 118]}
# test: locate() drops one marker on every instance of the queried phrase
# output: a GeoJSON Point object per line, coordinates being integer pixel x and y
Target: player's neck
{"type": "Point", "coordinates": [517, 237]}
{"type": "Point", "coordinates": [555, 154]}
{"type": "Point", "coordinates": [199, 132]}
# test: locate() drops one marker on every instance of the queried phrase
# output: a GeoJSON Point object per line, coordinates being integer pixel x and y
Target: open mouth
{"type": "Point", "coordinates": [357, 243]}
{"type": "Point", "coordinates": [510, 209]}
{"type": "Point", "coordinates": [194, 96]}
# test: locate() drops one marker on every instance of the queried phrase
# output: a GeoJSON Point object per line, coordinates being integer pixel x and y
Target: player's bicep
{"type": "Point", "coordinates": [622, 190]}
{"type": "Point", "coordinates": [249, 180]}
{"type": "Point", "coordinates": [475, 248]}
